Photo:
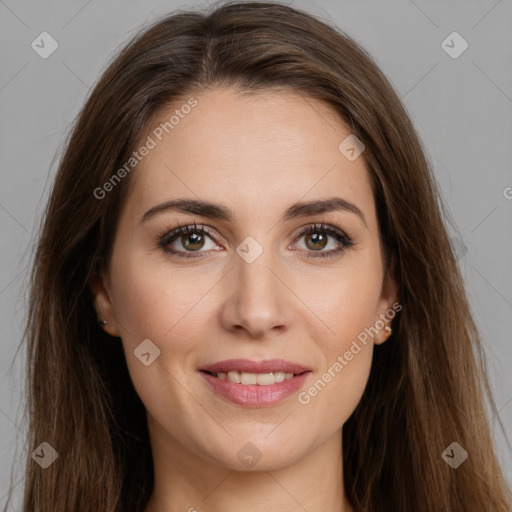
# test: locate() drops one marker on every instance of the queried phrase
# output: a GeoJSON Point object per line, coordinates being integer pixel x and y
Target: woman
{"type": "Point", "coordinates": [244, 296]}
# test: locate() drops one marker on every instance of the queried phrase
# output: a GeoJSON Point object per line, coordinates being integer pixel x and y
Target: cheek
{"type": "Point", "coordinates": [346, 299]}
{"type": "Point", "coordinates": [153, 301]}
{"type": "Point", "coordinates": [150, 300]}
{"type": "Point", "coordinates": [166, 305]}
{"type": "Point", "coordinates": [347, 307]}
{"type": "Point", "coordinates": [335, 390]}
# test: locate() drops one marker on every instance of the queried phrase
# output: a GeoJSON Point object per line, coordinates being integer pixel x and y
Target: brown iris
{"type": "Point", "coordinates": [318, 240]}
{"type": "Point", "coordinates": [197, 241]}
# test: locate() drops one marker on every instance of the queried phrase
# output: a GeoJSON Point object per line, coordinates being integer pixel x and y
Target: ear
{"type": "Point", "coordinates": [103, 304]}
{"type": "Point", "coordinates": [386, 311]}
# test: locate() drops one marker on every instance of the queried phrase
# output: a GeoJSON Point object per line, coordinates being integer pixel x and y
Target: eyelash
{"type": "Point", "coordinates": [165, 239]}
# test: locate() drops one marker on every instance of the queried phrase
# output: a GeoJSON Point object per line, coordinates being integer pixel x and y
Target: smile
{"type": "Point", "coordinates": [254, 383]}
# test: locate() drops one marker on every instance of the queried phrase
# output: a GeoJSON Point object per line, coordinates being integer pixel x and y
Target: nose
{"type": "Point", "coordinates": [258, 302]}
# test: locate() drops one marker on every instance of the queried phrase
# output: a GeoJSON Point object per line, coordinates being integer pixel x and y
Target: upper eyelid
{"type": "Point", "coordinates": [193, 227]}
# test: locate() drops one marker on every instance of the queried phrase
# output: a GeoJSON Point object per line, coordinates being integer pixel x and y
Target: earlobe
{"type": "Point", "coordinates": [103, 305]}
{"type": "Point", "coordinates": [389, 298]}
{"type": "Point", "coordinates": [383, 335]}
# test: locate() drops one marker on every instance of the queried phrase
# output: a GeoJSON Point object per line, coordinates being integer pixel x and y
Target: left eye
{"type": "Point", "coordinates": [316, 239]}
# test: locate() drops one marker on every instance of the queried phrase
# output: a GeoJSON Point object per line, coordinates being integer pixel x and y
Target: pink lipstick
{"type": "Point", "coordinates": [255, 383]}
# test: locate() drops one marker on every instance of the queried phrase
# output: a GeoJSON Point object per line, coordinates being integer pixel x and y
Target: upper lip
{"type": "Point", "coordinates": [253, 366]}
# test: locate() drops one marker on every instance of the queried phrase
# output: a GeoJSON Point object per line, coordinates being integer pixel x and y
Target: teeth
{"type": "Point", "coordinates": [263, 379]}
{"type": "Point", "coordinates": [234, 377]}
{"type": "Point", "coordinates": [248, 378]}
{"type": "Point", "coordinates": [279, 376]}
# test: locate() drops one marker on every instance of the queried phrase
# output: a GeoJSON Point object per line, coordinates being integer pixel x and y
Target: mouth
{"type": "Point", "coordinates": [255, 383]}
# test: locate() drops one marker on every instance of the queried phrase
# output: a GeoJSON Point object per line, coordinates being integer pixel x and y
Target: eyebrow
{"type": "Point", "coordinates": [220, 212]}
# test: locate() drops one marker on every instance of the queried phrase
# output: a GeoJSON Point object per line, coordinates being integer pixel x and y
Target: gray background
{"type": "Point", "coordinates": [462, 109]}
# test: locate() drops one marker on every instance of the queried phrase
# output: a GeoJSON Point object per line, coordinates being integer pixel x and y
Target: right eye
{"type": "Point", "coordinates": [191, 238]}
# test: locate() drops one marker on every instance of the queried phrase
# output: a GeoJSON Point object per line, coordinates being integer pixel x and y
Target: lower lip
{"type": "Point", "coordinates": [254, 395]}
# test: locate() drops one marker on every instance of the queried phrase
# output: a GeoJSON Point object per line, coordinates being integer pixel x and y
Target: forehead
{"type": "Point", "coordinates": [256, 153]}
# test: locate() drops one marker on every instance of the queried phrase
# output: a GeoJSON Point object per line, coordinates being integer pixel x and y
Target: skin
{"type": "Point", "coordinates": [256, 155]}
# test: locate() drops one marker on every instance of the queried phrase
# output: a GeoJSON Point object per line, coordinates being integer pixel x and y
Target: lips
{"type": "Point", "coordinates": [255, 383]}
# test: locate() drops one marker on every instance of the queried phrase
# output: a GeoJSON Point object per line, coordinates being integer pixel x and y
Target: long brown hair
{"type": "Point", "coordinates": [427, 384]}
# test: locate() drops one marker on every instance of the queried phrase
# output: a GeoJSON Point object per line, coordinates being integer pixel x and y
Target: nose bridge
{"type": "Point", "coordinates": [256, 300]}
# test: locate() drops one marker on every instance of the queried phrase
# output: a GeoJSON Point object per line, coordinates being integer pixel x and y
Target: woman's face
{"type": "Point", "coordinates": [253, 287]}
